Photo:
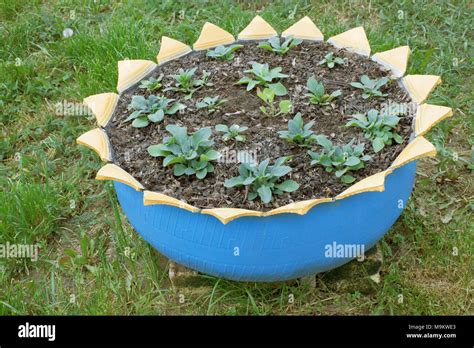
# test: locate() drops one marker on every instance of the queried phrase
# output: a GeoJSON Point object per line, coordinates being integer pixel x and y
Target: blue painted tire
{"type": "Point", "coordinates": [273, 248]}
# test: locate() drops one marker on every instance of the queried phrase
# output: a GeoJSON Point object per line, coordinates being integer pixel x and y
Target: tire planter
{"type": "Point", "coordinates": [287, 242]}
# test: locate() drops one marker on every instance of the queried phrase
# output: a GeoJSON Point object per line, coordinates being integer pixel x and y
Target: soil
{"type": "Point", "coordinates": [130, 144]}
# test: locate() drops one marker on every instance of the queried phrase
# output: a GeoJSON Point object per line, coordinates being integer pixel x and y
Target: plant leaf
{"type": "Point", "coordinates": [288, 186]}
{"type": "Point", "coordinates": [352, 161]}
{"type": "Point", "coordinates": [157, 116]}
{"type": "Point", "coordinates": [201, 174]}
{"type": "Point", "coordinates": [278, 88]}
{"type": "Point", "coordinates": [265, 194]}
{"type": "Point", "coordinates": [222, 128]}
{"type": "Point", "coordinates": [378, 144]}
{"type": "Point", "coordinates": [179, 169]}
{"type": "Point", "coordinates": [140, 122]}
{"type": "Point", "coordinates": [210, 155]}
{"type": "Point", "coordinates": [280, 170]}
{"type": "Point", "coordinates": [347, 179]}
{"type": "Point", "coordinates": [235, 181]}
{"type": "Point", "coordinates": [324, 142]}
{"type": "Point", "coordinates": [285, 106]}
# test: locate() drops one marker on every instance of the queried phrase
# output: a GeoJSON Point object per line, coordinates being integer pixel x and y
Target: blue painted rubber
{"type": "Point", "coordinates": [273, 248]}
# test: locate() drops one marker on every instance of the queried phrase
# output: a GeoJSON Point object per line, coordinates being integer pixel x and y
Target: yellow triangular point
{"type": "Point", "coordinates": [98, 141]}
{"type": "Point", "coordinates": [211, 36]}
{"type": "Point", "coordinates": [353, 40]}
{"type": "Point", "coordinates": [171, 49]}
{"type": "Point", "coordinates": [102, 106]}
{"type": "Point", "coordinates": [257, 29]}
{"type": "Point", "coordinates": [115, 173]}
{"type": "Point", "coordinates": [226, 215]}
{"type": "Point", "coordinates": [428, 115]}
{"type": "Point", "coordinates": [395, 59]}
{"type": "Point", "coordinates": [420, 86]}
{"type": "Point", "coordinates": [151, 198]}
{"type": "Point", "coordinates": [131, 72]}
{"type": "Point", "coordinates": [300, 208]}
{"type": "Point", "coordinates": [372, 183]}
{"type": "Point", "coordinates": [418, 148]}
{"type": "Point", "coordinates": [304, 29]}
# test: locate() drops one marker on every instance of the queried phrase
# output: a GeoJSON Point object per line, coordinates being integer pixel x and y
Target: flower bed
{"type": "Point", "coordinates": [262, 139]}
{"type": "Point", "coordinates": [262, 128]}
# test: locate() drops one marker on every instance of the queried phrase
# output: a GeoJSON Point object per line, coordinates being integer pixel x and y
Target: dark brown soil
{"type": "Point", "coordinates": [242, 108]}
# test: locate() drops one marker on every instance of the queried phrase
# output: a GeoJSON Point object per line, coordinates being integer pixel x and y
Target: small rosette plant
{"type": "Point", "coordinates": [280, 47]}
{"type": "Point", "coordinates": [233, 132]}
{"type": "Point", "coordinates": [187, 84]}
{"type": "Point", "coordinates": [378, 128]}
{"type": "Point", "coordinates": [210, 103]}
{"type": "Point", "coordinates": [152, 109]}
{"type": "Point", "coordinates": [152, 84]}
{"type": "Point", "coordinates": [263, 180]}
{"type": "Point", "coordinates": [264, 76]}
{"type": "Point", "coordinates": [332, 61]}
{"type": "Point", "coordinates": [223, 53]}
{"type": "Point", "coordinates": [188, 154]}
{"type": "Point", "coordinates": [317, 94]}
{"type": "Point", "coordinates": [339, 159]}
{"type": "Point", "coordinates": [298, 132]}
{"type": "Point", "coordinates": [371, 88]}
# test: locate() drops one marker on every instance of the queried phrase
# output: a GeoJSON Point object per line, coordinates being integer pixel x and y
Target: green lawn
{"type": "Point", "coordinates": [49, 195]}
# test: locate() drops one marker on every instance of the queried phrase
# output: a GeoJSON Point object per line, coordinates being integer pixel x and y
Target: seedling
{"type": "Point", "coordinates": [210, 103]}
{"type": "Point", "coordinates": [188, 154]}
{"type": "Point", "coordinates": [262, 180]}
{"type": "Point", "coordinates": [233, 132]}
{"type": "Point", "coordinates": [268, 97]}
{"type": "Point", "coordinates": [339, 159]}
{"type": "Point", "coordinates": [378, 127]}
{"type": "Point", "coordinates": [263, 76]}
{"type": "Point", "coordinates": [223, 53]}
{"type": "Point", "coordinates": [152, 109]}
{"type": "Point", "coordinates": [152, 84]}
{"type": "Point", "coordinates": [317, 93]}
{"type": "Point", "coordinates": [275, 45]}
{"type": "Point", "coordinates": [298, 132]}
{"type": "Point", "coordinates": [186, 83]}
{"type": "Point", "coordinates": [332, 61]}
{"type": "Point", "coordinates": [370, 87]}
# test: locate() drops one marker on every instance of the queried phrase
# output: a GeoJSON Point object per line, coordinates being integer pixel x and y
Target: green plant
{"type": "Point", "coordinates": [233, 132]}
{"type": "Point", "coordinates": [211, 103]}
{"type": "Point", "coordinates": [298, 132]}
{"type": "Point", "coordinates": [378, 127]}
{"type": "Point", "coordinates": [331, 61]}
{"type": "Point", "coordinates": [262, 179]}
{"type": "Point", "coordinates": [264, 77]}
{"type": "Point", "coordinates": [224, 53]}
{"type": "Point", "coordinates": [151, 109]}
{"type": "Point", "coordinates": [186, 83]}
{"type": "Point", "coordinates": [268, 97]}
{"type": "Point", "coordinates": [85, 257]}
{"type": "Point", "coordinates": [371, 87]}
{"type": "Point", "coordinates": [341, 159]}
{"type": "Point", "coordinates": [317, 93]}
{"type": "Point", "coordinates": [275, 45]}
{"type": "Point", "coordinates": [152, 84]}
{"type": "Point", "coordinates": [188, 154]}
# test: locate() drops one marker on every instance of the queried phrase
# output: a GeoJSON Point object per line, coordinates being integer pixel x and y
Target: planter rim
{"type": "Point", "coordinates": [131, 72]}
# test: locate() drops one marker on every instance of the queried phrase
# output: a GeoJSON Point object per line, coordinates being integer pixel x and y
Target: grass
{"type": "Point", "coordinates": [91, 260]}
